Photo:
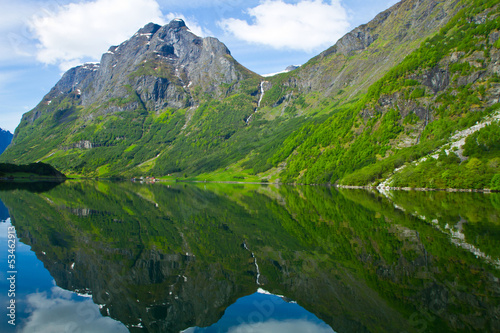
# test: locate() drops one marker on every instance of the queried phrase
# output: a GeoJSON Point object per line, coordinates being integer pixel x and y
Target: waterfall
{"type": "Point", "coordinates": [254, 262]}
{"type": "Point", "coordinates": [261, 94]}
{"type": "Point", "coordinates": [258, 102]}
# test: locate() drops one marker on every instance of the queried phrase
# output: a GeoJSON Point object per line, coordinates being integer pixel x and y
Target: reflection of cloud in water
{"type": "Point", "coordinates": [289, 326]}
{"type": "Point", "coordinates": [4, 228]}
{"type": "Point", "coordinates": [59, 313]}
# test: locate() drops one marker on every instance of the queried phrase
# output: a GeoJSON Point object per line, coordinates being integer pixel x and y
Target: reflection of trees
{"type": "Point", "coordinates": [31, 186]}
{"type": "Point", "coordinates": [476, 216]}
{"type": "Point", "coordinates": [174, 256]}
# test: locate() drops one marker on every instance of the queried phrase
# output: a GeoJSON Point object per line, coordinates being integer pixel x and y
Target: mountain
{"type": "Point", "coordinates": [152, 70]}
{"type": "Point", "coordinates": [286, 70]}
{"type": "Point", "coordinates": [5, 139]}
{"type": "Point", "coordinates": [415, 111]}
{"type": "Point", "coordinates": [146, 94]}
{"type": "Point", "coordinates": [409, 85]}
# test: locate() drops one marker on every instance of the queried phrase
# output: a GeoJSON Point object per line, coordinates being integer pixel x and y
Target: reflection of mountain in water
{"type": "Point", "coordinates": [4, 212]}
{"type": "Point", "coordinates": [32, 186]}
{"type": "Point", "coordinates": [163, 259]}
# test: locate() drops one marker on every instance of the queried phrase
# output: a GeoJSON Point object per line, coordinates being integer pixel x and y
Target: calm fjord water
{"type": "Point", "coordinates": [118, 257]}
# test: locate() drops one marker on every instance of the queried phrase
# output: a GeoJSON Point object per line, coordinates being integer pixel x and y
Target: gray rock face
{"type": "Point", "coordinates": [358, 39]}
{"type": "Point", "coordinates": [162, 65]}
{"type": "Point", "coordinates": [75, 77]}
{"type": "Point", "coordinates": [363, 55]}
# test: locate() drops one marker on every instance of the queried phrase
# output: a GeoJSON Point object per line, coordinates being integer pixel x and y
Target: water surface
{"type": "Point", "coordinates": [118, 257]}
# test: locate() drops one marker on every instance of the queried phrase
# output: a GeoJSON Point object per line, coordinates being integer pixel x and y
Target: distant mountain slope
{"type": "Point", "coordinates": [5, 139]}
{"type": "Point", "coordinates": [365, 54]}
{"type": "Point", "coordinates": [168, 102]}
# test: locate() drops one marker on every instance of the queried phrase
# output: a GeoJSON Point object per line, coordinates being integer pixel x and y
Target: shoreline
{"type": "Point", "coordinates": [34, 179]}
{"type": "Point", "coordinates": [351, 187]}
{"type": "Point", "coordinates": [420, 189]}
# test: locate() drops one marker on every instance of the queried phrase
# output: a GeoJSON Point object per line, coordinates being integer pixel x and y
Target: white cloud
{"type": "Point", "coordinates": [191, 23]}
{"type": "Point", "coordinates": [306, 25]}
{"type": "Point", "coordinates": [85, 30]}
{"type": "Point", "coordinates": [4, 233]}
{"type": "Point", "coordinates": [200, 3]}
{"type": "Point", "coordinates": [13, 13]}
{"type": "Point", "coordinates": [292, 326]}
{"type": "Point", "coordinates": [10, 120]}
{"type": "Point", "coordinates": [15, 37]}
{"type": "Point", "coordinates": [59, 313]}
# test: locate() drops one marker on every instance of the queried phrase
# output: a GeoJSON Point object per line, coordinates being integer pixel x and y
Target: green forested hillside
{"type": "Point", "coordinates": [386, 95]}
{"type": "Point", "coordinates": [447, 84]}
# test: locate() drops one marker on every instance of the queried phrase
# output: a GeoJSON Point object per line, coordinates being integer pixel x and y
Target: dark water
{"type": "Point", "coordinates": [118, 257]}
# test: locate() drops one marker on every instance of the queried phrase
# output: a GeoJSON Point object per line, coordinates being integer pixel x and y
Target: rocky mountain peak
{"type": "Point", "coordinates": [158, 64]}
{"type": "Point", "coordinates": [149, 28]}
{"type": "Point", "coordinates": [291, 68]}
{"type": "Point", "coordinates": [177, 23]}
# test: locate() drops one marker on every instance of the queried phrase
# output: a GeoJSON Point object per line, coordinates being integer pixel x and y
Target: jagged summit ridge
{"type": "Point", "coordinates": [160, 64]}
{"type": "Point", "coordinates": [150, 28]}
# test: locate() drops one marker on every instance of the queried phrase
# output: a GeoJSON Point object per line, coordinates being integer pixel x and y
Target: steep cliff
{"type": "Point", "coordinates": [157, 67]}
{"type": "Point", "coordinates": [366, 53]}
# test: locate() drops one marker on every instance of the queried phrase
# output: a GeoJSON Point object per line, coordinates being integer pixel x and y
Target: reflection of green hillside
{"type": "Point", "coordinates": [32, 186]}
{"type": "Point", "coordinates": [475, 215]}
{"type": "Point", "coordinates": [40, 171]}
{"type": "Point", "coordinates": [175, 255]}
{"type": "Point", "coordinates": [412, 263]}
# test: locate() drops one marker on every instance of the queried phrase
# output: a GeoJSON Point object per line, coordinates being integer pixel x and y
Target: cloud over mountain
{"type": "Point", "coordinates": [306, 25]}
{"type": "Point", "coordinates": [83, 31]}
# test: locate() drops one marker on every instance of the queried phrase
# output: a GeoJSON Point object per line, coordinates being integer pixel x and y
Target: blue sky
{"type": "Point", "coordinates": [42, 39]}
